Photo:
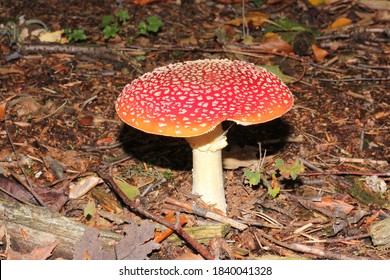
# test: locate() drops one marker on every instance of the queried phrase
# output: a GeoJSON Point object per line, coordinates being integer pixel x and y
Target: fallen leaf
{"type": "Point", "coordinates": [26, 106]}
{"type": "Point", "coordinates": [340, 22]}
{"type": "Point", "coordinates": [89, 247]}
{"type": "Point", "coordinates": [38, 253]}
{"type": "Point", "coordinates": [189, 256]}
{"type": "Point", "coordinates": [137, 243]}
{"type": "Point", "coordinates": [255, 19]}
{"type": "Point", "coordinates": [2, 110]}
{"type": "Point", "coordinates": [129, 190]}
{"type": "Point", "coordinates": [334, 205]}
{"type": "Point", "coordinates": [17, 190]}
{"type": "Point", "coordinates": [274, 44]}
{"type": "Point", "coordinates": [51, 37]}
{"type": "Point", "coordinates": [276, 70]}
{"type": "Point", "coordinates": [83, 186]}
{"type": "Point", "coordinates": [319, 53]}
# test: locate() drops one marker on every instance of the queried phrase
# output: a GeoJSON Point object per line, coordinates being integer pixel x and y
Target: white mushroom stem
{"type": "Point", "coordinates": [208, 179]}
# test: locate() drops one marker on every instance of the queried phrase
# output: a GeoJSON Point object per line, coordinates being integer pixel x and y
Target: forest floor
{"type": "Point", "coordinates": [59, 129]}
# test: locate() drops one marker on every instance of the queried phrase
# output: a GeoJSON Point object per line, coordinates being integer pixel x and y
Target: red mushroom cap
{"type": "Point", "coordinates": [191, 98]}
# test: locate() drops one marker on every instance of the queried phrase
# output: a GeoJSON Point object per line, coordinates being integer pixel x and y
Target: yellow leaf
{"type": "Point", "coordinates": [51, 37]}
{"type": "Point", "coordinates": [340, 22]}
{"type": "Point", "coordinates": [254, 18]}
{"type": "Point", "coordinates": [271, 35]}
{"type": "Point", "coordinates": [316, 2]}
{"type": "Point", "coordinates": [319, 53]}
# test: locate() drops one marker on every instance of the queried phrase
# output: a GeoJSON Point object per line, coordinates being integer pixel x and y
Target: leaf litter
{"type": "Point", "coordinates": [57, 110]}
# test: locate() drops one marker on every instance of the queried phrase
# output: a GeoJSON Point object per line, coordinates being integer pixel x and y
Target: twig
{"type": "Point", "coordinates": [310, 250]}
{"type": "Point", "coordinates": [137, 207]}
{"type": "Point", "coordinates": [339, 180]}
{"type": "Point", "coordinates": [345, 173]}
{"type": "Point", "coordinates": [197, 210]}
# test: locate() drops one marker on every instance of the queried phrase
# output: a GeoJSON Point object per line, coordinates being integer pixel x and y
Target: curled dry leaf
{"type": "Point", "coordinates": [81, 187]}
{"type": "Point", "coordinates": [319, 53]}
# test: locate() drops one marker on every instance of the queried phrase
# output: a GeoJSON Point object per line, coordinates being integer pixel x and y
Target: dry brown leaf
{"type": "Point", "coordinates": [319, 53]}
{"type": "Point", "coordinates": [274, 45]}
{"type": "Point", "coordinates": [89, 247]}
{"type": "Point", "coordinates": [137, 243]}
{"type": "Point", "coordinates": [189, 256]}
{"type": "Point", "coordinates": [2, 110]}
{"type": "Point", "coordinates": [256, 19]}
{"type": "Point", "coordinates": [334, 205]}
{"type": "Point", "coordinates": [17, 190]}
{"type": "Point", "coordinates": [39, 253]}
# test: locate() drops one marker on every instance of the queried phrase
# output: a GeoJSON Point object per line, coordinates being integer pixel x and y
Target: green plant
{"type": "Point", "coordinates": [75, 35]}
{"type": "Point", "coordinates": [152, 24]}
{"type": "Point", "coordinates": [123, 16]}
{"type": "Point", "coordinates": [288, 29]}
{"type": "Point", "coordinates": [111, 23]}
{"type": "Point", "coordinates": [257, 3]}
{"type": "Point", "coordinates": [288, 170]}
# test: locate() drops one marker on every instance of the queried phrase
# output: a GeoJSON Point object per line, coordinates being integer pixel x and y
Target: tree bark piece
{"type": "Point", "coordinates": [42, 226]}
{"type": "Point", "coordinates": [380, 233]}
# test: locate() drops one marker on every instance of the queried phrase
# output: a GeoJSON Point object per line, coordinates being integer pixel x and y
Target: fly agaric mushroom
{"type": "Point", "coordinates": [191, 99]}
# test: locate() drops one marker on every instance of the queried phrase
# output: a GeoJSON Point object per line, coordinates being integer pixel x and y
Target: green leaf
{"type": "Point", "coordinates": [123, 16]}
{"type": "Point", "coordinates": [76, 35]}
{"type": "Point", "coordinates": [279, 163]}
{"type": "Point", "coordinates": [140, 57]}
{"type": "Point", "coordinates": [90, 209]}
{"type": "Point", "coordinates": [107, 20]}
{"type": "Point", "coordinates": [276, 70]}
{"type": "Point", "coordinates": [275, 190]}
{"type": "Point", "coordinates": [154, 24]}
{"type": "Point", "coordinates": [129, 190]}
{"type": "Point", "coordinates": [143, 28]}
{"type": "Point", "coordinates": [257, 3]}
{"type": "Point", "coordinates": [288, 29]}
{"type": "Point", "coordinates": [290, 168]}
{"type": "Point", "coordinates": [253, 177]}
{"type": "Point", "coordinates": [110, 31]}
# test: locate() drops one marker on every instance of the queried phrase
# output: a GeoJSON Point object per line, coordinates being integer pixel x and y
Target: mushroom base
{"type": "Point", "coordinates": [207, 169]}
{"type": "Point", "coordinates": [208, 179]}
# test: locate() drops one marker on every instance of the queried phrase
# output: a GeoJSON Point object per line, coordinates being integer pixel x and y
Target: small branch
{"type": "Point", "coordinates": [137, 207]}
{"type": "Point", "coordinates": [309, 250]}
{"type": "Point", "coordinates": [345, 173]}
{"type": "Point", "coordinates": [197, 210]}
